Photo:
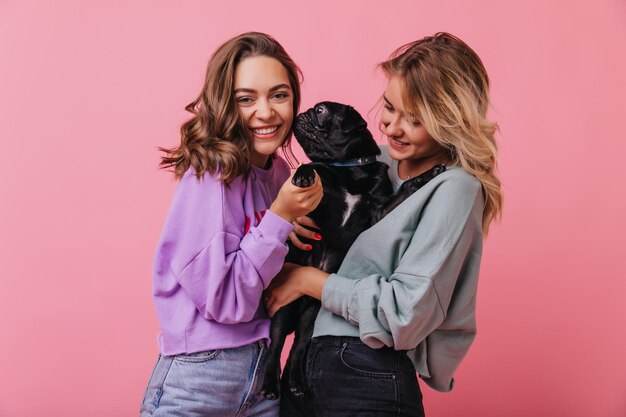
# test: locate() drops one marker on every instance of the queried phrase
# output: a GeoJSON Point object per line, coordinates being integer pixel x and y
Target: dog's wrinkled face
{"type": "Point", "coordinates": [334, 132]}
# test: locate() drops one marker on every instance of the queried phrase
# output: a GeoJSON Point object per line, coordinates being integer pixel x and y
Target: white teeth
{"type": "Point", "coordinates": [265, 131]}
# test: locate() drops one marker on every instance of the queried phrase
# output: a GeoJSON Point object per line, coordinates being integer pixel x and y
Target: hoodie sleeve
{"type": "Point", "coordinates": [221, 269]}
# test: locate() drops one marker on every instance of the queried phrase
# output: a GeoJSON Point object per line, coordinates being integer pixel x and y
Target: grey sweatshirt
{"type": "Point", "coordinates": [409, 282]}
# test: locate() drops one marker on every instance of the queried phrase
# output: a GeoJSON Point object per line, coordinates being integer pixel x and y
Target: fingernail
{"type": "Point", "coordinates": [318, 236]}
{"type": "Point", "coordinates": [309, 247]}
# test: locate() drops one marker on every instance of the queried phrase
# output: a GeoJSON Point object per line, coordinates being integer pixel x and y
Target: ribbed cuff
{"type": "Point", "coordinates": [337, 294]}
{"type": "Point", "coordinates": [274, 226]}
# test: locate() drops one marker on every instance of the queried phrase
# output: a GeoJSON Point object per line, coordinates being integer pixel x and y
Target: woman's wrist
{"type": "Point", "coordinates": [277, 210]}
{"type": "Point", "coordinates": [312, 282]}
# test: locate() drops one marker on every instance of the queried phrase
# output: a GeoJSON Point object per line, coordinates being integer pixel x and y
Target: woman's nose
{"type": "Point", "coordinates": [264, 109]}
{"type": "Point", "coordinates": [393, 128]}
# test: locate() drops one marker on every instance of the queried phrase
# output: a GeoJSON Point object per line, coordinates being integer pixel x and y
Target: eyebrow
{"type": "Point", "coordinates": [413, 116]}
{"type": "Point", "coordinates": [251, 90]}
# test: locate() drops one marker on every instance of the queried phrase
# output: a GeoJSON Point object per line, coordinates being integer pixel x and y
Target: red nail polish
{"type": "Point", "coordinates": [309, 247]}
{"type": "Point", "coordinates": [318, 236]}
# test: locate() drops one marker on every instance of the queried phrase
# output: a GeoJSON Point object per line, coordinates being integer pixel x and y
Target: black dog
{"type": "Point", "coordinates": [357, 193]}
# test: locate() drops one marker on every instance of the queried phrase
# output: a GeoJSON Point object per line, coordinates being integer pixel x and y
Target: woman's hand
{"type": "Point", "coordinates": [293, 201]}
{"type": "Point", "coordinates": [291, 283]}
{"type": "Point", "coordinates": [284, 289]}
{"type": "Point", "coordinates": [300, 231]}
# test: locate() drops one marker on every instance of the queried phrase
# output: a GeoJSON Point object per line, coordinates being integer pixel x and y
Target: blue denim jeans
{"type": "Point", "coordinates": [216, 383]}
{"type": "Point", "coordinates": [347, 378]}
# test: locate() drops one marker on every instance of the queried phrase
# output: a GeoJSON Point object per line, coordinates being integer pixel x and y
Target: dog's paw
{"type": "Point", "coordinates": [296, 390]}
{"type": "Point", "coordinates": [269, 395]}
{"type": "Point", "coordinates": [270, 391]}
{"type": "Point", "coordinates": [304, 176]}
{"type": "Point", "coordinates": [271, 385]}
{"type": "Point", "coordinates": [296, 384]}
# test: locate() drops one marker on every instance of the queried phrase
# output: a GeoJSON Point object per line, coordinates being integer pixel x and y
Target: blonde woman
{"type": "Point", "coordinates": [404, 298]}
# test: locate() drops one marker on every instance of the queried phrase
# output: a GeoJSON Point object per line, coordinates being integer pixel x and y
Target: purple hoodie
{"type": "Point", "coordinates": [219, 249]}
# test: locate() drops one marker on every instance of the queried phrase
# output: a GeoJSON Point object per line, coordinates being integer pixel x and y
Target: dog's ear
{"type": "Point", "coordinates": [352, 121]}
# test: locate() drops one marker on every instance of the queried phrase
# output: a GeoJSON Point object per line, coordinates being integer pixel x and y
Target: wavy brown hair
{"type": "Point", "coordinates": [215, 139]}
{"type": "Point", "coordinates": [447, 87]}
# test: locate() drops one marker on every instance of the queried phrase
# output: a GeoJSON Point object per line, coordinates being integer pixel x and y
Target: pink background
{"type": "Point", "coordinates": [88, 90]}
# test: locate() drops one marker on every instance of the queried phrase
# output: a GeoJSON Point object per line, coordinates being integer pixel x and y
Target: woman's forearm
{"type": "Point", "coordinates": [312, 282]}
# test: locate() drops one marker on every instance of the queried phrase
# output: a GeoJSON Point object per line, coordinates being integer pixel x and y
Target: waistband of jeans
{"type": "Point", "coordinates": [337, 340]}
{"type": "Point", "coordinates": [340, 341]}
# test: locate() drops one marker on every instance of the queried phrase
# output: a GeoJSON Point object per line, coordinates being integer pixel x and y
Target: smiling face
{"type": "Point", "coordinates": [265, 101]}
{"type": "Point", "coordinates": [409, 142]}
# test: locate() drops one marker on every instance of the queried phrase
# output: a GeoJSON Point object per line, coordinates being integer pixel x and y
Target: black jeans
{"type": "Point", "coordinates": [345, 377]}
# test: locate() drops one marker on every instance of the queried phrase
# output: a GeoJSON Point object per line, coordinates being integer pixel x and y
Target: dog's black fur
{"type": "Point", "coordinates": [336, 139]}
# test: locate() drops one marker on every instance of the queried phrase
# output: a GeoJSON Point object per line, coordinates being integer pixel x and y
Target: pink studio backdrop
{"type": "Point", "coordinates": [88, 90]}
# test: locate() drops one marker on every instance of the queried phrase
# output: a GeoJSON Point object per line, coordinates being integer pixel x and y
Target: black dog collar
{"type": "Point", "coordinates": [355, 162]}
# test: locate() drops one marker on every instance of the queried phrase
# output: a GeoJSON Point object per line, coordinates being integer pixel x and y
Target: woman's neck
{"type": "Point", "coordinates": [409, 168]}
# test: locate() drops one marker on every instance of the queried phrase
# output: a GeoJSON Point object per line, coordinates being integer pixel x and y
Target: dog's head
{"type": "Point", "coordinates": [334, 132]}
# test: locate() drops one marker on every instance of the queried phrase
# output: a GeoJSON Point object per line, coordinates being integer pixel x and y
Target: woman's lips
{"type": "Point", "coordinates": [265, 132]}
{"type": "Point", "coordinates": [398, 145]}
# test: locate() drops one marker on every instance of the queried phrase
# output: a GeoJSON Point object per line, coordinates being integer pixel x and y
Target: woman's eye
{"type": "Point", "coordinates": [244, 100]}
{"type": "Point", "coordinates": [388, 108]}
{"type": "Point", "coordinates": [281, 96]}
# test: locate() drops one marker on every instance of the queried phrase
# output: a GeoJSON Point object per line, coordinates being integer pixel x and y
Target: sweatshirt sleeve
{"type": "Point", "coordinates": [402, 309]}
{"type": "Point", "coordinates": [221, 269]}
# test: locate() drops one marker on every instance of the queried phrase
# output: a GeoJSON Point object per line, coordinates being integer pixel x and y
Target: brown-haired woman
{"type": "Point", "coordinates": [224, 238]}
{"type": "Point", "coordinates": [404, 297]}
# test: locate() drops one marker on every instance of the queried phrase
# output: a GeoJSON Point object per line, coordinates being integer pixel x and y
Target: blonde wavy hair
{"type": "Point", "coordinates": [447, 86]}
{"type": "Point", "coordinates": [215, 137]}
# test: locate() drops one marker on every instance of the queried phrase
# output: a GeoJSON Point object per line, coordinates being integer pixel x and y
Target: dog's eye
{"type": "Point", "coordinates": [320, 109]}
